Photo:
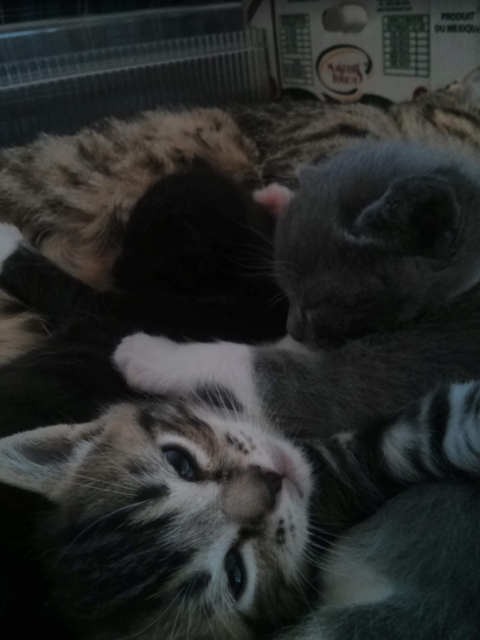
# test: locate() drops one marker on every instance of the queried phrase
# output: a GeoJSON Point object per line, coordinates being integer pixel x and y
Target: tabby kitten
{"type": "Point", "coordinates": [72, 196]}
{"type": "Point", "coordinates": [376, 237]}
{"type": "Point", "coordinates": [194, 518]}
{"type": "Point", "coordinates": [369, 583]}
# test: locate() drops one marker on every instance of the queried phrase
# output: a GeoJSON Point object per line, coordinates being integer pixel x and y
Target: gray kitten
{"type": "Point", "coordinates": [375, 238]}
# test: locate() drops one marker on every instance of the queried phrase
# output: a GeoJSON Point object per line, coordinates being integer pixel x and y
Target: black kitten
{"type": "Point", "coordinates": [196, 232]}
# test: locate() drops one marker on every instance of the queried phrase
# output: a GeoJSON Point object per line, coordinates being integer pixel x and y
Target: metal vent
{"type": "Point", "coordinates": [116, 66]}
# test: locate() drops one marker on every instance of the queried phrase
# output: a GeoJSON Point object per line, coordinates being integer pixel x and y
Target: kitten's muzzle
{"type": "Point", "coordinates": [252, 495]}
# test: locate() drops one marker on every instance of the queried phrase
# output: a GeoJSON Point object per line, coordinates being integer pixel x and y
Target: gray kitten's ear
{"type": "Point", "coordinates": [40, 460]}
{"type": "Point", "coordinates": [275, 198]}
{"type": "Point", "coordinates": [309, 178]}
{"type": "Point", "coordinates": [416, 216]}
{"type": "Point", "coordinates": [468, 87]}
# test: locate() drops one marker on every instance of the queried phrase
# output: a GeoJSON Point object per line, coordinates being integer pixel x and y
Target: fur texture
{"type": "Point", "coordinates": [377, 237]}
{"type": "Point", "coordinates": [72, 196]}
{"type": "Point", "coordinates": [116, 498]}
{"type": "Point", "coordinates": [172, 510]}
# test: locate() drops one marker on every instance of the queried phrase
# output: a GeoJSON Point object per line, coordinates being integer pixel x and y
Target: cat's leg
{"type": "Point", "coordinates": [158, 365]}
{"type": "Point", "coordinates": [439, 437]}
{"type": "Point", "coordinates": [38, 283]}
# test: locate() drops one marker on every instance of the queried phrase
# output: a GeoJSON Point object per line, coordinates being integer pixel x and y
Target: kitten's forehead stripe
{"type": "Point", "coordinates": [175, 418]}
{"type": "Point", "coordinates": [147, 421]}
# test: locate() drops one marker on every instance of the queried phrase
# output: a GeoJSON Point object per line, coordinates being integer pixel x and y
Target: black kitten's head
{"type": "Point", "coordinates": [195, 231]}
{"type": "Point", "coordinates": [379, 235]}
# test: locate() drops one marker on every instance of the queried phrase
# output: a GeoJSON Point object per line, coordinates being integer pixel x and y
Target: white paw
{"type": "Point", "coordinates": [145, 361]}
{"type": "Point", "coordinates": [10, 238]}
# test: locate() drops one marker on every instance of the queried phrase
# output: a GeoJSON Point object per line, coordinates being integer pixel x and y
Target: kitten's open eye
{"type": "Point", "coordinates": [182, 463]}
{"type": "Point", "coordinates": [235, 570]}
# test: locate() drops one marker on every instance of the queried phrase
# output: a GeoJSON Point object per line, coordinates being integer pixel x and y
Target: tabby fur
{"type": "Point", "coordinates": [71, 196]}
{"type": "Point", "coordinates": [134, 545]}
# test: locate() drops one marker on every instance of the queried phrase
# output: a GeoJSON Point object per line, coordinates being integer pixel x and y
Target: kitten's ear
{"type": "Point", "coordinates": [275, 198]}
{"type": "Point", "coordinates": [416, 216]}
{"type": "Point", "coordinates": [468, 87]}
{"type": "Point", "coordinates": [309, 178]}
{"type": "Point", "coordinates": [40, 460]}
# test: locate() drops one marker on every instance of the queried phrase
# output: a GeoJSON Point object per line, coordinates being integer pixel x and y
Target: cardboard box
{"type": "Point", "coordinates": [369, 50]}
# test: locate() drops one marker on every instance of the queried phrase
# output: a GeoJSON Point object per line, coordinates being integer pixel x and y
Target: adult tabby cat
{"type": "Point", "coordinates": [72, 196]}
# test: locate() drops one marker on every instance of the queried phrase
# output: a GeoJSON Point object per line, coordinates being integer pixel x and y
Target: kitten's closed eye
{"type": "Point", "coordinates": [182, 463]}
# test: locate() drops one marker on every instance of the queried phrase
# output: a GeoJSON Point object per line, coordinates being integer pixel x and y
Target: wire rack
{"type": "Point", "coordinates": [121, 65]}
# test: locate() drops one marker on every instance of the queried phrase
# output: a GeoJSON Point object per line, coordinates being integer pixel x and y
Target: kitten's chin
{"type": "Point", "coordinates": [291, 464]}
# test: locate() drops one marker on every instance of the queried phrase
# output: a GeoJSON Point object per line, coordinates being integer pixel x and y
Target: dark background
{"type": "Point", "coordinates": [25, 10]}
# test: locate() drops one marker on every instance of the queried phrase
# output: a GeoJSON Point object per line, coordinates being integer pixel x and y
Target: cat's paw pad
{"type": "Point", "coordinates": [10, 239]}
{"type": "Point", "coordinates": [143, 360]}
{"type": "Point", "coordinates": [275, 198]}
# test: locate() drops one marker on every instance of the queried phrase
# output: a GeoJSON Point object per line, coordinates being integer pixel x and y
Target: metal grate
{"type": "Point", "coordinates": [16, 11]}
{"type": "Point", "coordinates": [117, 67]}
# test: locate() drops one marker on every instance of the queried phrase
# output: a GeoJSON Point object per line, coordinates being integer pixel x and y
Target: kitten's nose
{"type": "Point", "coordinates": [274, 482]}
{"type": "Point", "coordinates": [252, 494]}
{"type": "Point", "coordinates": [296, 324]}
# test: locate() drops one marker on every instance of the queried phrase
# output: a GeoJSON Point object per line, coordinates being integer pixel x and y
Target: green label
{"type": "Point", "coordinates": [406, 45]}
{"type": "Point", "coordinates": [296, 49]}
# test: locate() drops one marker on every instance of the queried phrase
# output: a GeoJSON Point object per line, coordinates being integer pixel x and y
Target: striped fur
{"type": "Point", "coordinates": [132, 548]}
{"type": "Point", "coordinates": [354, 472]}
{"type": "Point", "coordinates": [71, 196]}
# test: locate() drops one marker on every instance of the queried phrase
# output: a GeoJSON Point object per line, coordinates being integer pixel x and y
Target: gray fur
{"type": "Point", "coordinates": [378, 236]}
{"type": "Point", "coordinates": [426, 542]}
{"type": "Point", "coordinates": [72, 195]}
